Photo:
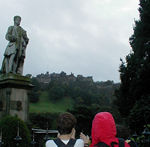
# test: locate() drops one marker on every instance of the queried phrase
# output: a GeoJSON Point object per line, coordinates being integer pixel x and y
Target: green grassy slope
{"type": "Point", "coordinates": [45, 105]}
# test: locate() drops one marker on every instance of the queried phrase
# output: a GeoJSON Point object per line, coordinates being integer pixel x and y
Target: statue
{"type": "Point", "coordinates": [15, 51]}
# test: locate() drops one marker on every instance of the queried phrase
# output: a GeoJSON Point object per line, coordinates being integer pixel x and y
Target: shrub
{"type": "Point", "coordinates": [9, 126]}
{"type": "Point", "coordinates": [41, 120]}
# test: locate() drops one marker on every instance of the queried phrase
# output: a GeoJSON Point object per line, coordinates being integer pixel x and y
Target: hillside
{"type": "Point", "coordinates": [45, 105]}
{"type": "Point", "coordinates": [59, 92]}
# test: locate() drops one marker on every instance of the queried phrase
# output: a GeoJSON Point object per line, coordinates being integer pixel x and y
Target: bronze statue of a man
{"type": "Point", "coordinates": [15, 51]}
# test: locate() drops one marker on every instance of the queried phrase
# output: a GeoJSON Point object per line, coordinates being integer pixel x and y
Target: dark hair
{"type": "Point", "coordinates": [17, 17]}
{"type": "Point", "coordinates": [66, 122]}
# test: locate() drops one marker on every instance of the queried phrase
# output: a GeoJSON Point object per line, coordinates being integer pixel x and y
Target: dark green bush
{"type": "Point", "coordinates": [43, 120]}
{"type": "Point", "coordinates": [9, 126]}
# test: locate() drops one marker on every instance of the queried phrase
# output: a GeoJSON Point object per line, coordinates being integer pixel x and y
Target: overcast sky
{"type": "Point", "coordinates": [85, 37]}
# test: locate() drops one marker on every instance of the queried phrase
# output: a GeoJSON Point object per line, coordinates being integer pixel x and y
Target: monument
{"type": "Point", "coordinates": [14, 87]}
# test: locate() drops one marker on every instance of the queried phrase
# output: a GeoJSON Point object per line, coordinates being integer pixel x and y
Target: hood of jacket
{"type": "Point", "coordinates": [103, 129]}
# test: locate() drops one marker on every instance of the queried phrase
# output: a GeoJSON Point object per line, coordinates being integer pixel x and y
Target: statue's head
{"type": "Point", "coordinates": [17, 20]}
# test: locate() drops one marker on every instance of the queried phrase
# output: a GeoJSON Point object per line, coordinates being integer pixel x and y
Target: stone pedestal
{"type": "Point", "coordinates": [14, 95]}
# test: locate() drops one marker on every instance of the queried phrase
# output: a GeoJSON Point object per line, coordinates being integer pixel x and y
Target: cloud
{"type": "Point", "coordinates": [84, 36]}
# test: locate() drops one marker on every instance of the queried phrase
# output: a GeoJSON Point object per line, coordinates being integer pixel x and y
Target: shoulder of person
{"type": "Point", "coordinates": [50, 143]}
{"type": "Point", "coordinates": [10, 27]}
{"type": "Point", "coordinates": [23, 30]}
{"type": "Point", "coordinates": [80, 141]}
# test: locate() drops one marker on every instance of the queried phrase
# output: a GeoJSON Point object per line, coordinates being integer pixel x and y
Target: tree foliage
{"type": "Point", "coordinates": [135, 71]}
{"type": "Point", "coordinates": [140, 114]}
{"type": "Point", "coordinates": [9, 127]}
{"type": "Point", "coordinates": [43, 120]}
{"type": "Point", "coordinates": [34, 93]}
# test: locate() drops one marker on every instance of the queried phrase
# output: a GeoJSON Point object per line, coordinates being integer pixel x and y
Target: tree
{"type": "Point", "coordinates": [9, 126]}
{"type": "Point", "coordinates": [34, 93]}
{"type": "Point", "coordinates": [84, 118]}
{"type": "Point", "coordinates": [134, 73]}
{"type": "Point", "coordinates": [140, 114]}
{"type": "Point", "coordinates": [56, 92]}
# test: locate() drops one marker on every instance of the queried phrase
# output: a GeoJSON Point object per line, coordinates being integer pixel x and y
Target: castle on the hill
{"type": "Point", "coordinates": [46, 78]}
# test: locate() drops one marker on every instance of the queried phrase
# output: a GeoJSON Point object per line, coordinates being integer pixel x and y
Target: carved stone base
{"type": "Point", "coordinates": [14, 95]}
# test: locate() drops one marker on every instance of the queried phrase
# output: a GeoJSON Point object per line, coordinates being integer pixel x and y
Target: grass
{"type": "Point", "coordinates": [45, 105]}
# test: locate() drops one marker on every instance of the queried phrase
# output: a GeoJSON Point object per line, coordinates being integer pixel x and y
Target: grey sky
{"type": "Point", "coordinates": [85, 37]}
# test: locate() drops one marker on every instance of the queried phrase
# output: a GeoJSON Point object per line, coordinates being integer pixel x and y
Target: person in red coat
{"type": "Point", "coordinates": [104, 130]}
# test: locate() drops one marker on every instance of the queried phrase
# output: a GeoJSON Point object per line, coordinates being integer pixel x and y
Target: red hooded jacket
{"type": "Point", "coordinates": [104, 130]}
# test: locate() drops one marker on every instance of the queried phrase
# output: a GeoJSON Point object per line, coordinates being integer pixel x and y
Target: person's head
{"type": "Point", "coordinates": [66, 122]}
{"type": "Point", "coordinates": [17, 20]}
{"type": "Point", "coordinates": [103, 126]}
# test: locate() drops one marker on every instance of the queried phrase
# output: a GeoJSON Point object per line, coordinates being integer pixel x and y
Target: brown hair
{"type": "Point", "coordinates": [66, 122]}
